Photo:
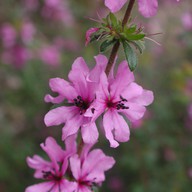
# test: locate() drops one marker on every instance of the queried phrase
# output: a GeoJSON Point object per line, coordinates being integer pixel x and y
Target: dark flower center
{"type": "Point", "coordinates": [83, 105]}
{"type": "Point", "coordinates": [118, 105]}
{"type": "Point", "coordinates": [50, 176]}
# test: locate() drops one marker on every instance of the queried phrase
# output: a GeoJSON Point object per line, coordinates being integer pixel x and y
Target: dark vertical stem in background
{"type": "Point", "coordinates": [117, 44]}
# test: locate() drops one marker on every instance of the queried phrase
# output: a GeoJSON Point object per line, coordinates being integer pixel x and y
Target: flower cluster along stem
{"type": "Point", "coordinates": [117, 44]}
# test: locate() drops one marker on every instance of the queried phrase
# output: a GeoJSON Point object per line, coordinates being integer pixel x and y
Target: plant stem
{"type": "Point", "coordinates": [117, 44]}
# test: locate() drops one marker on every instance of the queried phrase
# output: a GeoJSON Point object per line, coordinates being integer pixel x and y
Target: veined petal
{"type": "Point", "coordinates": [75, 165]}
{"type": "Point", "coordinates": [135, 111]}
{"type": "Point", "coordinates": [89, 133]}
{"type": "Point", "coordinates": [115, 5]}
{"type": "Point", "coordinates": [72, 126]}
{"type": "Point", "coordinates": [108, 128]}
{"type": "Point", "coordinates": [121, 127]}
{"type": "Point", "coordinates": [78, 75]}
{"type": "Point", "coordinates": [132, 91]}
{"type": "Point", "coordinates": [148, 8]}
{"type": "Point", "coordinates": [41, 187]}
{"type": "Point", "coordinates": [122, 79]}
{"type": "Point", "coordinates": [63, 88]}
{"type": "Point", "coordinates": [67, 186]}
{"type": "Point", "coordinates": [59, 115]}
{"type": "Point", "coordinates": [54, 151]}
{"type": "Point", "coordinates": [145, 99]}
{"type": "Point", "coordinates": [95, 165]}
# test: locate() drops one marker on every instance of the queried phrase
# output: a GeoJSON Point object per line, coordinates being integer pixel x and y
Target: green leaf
{"type": "Point", "coordinates": [113, 19]}
{"type": "Point", "coordinates": [139, 45]}
{"type": "Point", "coordinates": [135, 36]}
{"type": "Point", "coordinates": [130, 55]}
{"type": "Point", "coordinates": [105, 44]}
{"type": "Point", "coordinates": [131, 29]}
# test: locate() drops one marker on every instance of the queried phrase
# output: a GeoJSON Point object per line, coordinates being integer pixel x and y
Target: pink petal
{"type": "Point", "coordinates": [72, 126]}
{"type": "Point", "coordinates": [54, 151]}
{"type": "Point", "coordinates": [133, 90]}
{"type": "Point", "coordinates": [122, 132]}
{"type": "Point", "coordinates": [63, 88]}
{"type": "Point", "coordinates": [67, 186]}
{"type": "Point", "coordinates": [75, 165]}
{"type": "Point", "coordinates": [145, 99]}
{"type": "Point", "coordinates": [115, 5]}
{"type": "Point", "coordinates": [95, 165]}
{"type": "Point", "coordinates": [59, 115]}
{"type": "Point", "coordinates": [78, 76]}
{"type": "Point", "coordinates": [148, 8]}
{"type": "Point", "coordinates": [41, 187]}
{"type": "Point", "coordinates": [89, 33]}
{"type": "Point", "coordinates": [122, 79]}
{"type": "Point", "coordinates": [108, 128]}
{"type": "Point", "coordinates": [135, 111]}
{"type": "Point", "coordinates": [89, 133]}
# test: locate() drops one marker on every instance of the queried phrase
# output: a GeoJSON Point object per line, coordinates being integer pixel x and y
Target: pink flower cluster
{"type": "Point", "coordinates": [147, 8]}
{"type": "Point", "coordinates": [90, 94]}
{"type": "Point", "coordinates": [67, 170]}
{"type": "Point", "coordinates": [15, 43]}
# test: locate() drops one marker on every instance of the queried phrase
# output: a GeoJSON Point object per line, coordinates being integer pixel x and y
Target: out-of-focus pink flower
{"type": "Point", "coordinates": [52, 171]}
{"type": "Point", "coordinates": [80, 93]}
{"type": "Point", "coordinates": [116, 96]}
{"type": "Point", "coordinates": [89, 33]}
{"type": "Point", "coordinates": [88, 168]}
{"type": "Point", "coordinates": [147, 8]}
{"type": "Point", "coordinates": [17, 56]}
{"type": "Point", "coordinates": [187, 20]}
{"type": "Point", "coordinates": [50, 55]}
{"type": "Point", "coordinates": [8, 35]}
{"type": "Point", "coordinates": [58, 10]}
{"type": "Point", "coordinates": [27, 32]}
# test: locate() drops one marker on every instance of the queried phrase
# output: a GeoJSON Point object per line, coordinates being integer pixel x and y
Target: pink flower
{"type": "Point", "coordinates": [187, 20]}
{"type": "Point", "coordinates": [88, 168]}
{"type": "Point", "coordinates": [58, 10]}
{"type": "Point", "coordinates": [27, 31]}
{"type": "Point", "coordinates": [52, 171]}
{"type": "Point", "coordinates": [89, 33]}
{"type": "Point", "coordinates": [79, 93]}
{"type": "Point", "coordinates": [50, 55]}
{"type": "Point", "coordinates": [17, 56]}
{"type": "Point", "coordinates": [8, 35]}
{"type": "Point", "coordinates": [147, 8]}
{"type": "Point", "coordinates": [119, 95]}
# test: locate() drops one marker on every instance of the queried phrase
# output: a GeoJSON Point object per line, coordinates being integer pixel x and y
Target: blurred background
{"type": "Point", "coordinates": [40, 39]}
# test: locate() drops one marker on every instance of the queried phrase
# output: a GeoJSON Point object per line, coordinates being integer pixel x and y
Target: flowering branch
{"type": "Point", "coordinates": [117, 44]}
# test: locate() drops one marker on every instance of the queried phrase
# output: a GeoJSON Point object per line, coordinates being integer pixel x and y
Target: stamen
{"type": "Point", "coordinates": [83, 105]}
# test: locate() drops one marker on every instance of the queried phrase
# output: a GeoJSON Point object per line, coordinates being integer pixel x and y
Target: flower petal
{"type": "Point", "coordinates": [108, 128]}
{"type": "Point", "coordinates": [135, 111]}
{"type": "Point", "coordinates": [59, 115]}
{"type": "Point", "coordinates": [121, 127]}
{"type": "Point", "coordinates": [145, 99]}
{"type": "Point", "coordinates": [148, 8]}
{"type": "Point", "coordinates": [75, 165]}
{"type": "Point", "coordinates": [63, 88]}
{"type": "Point", "coordinates": [122, 79]}
{"type": "Point", "coordinates": [41, 187]}
{"type": "Point", "coordinates": [72, 126]}
{"type": "Point", "coordinates": [115, 5]}
{"type": "Point", "coordinates": [89, 133]}
{"type": "Point", "coordinates": [78, 75]}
